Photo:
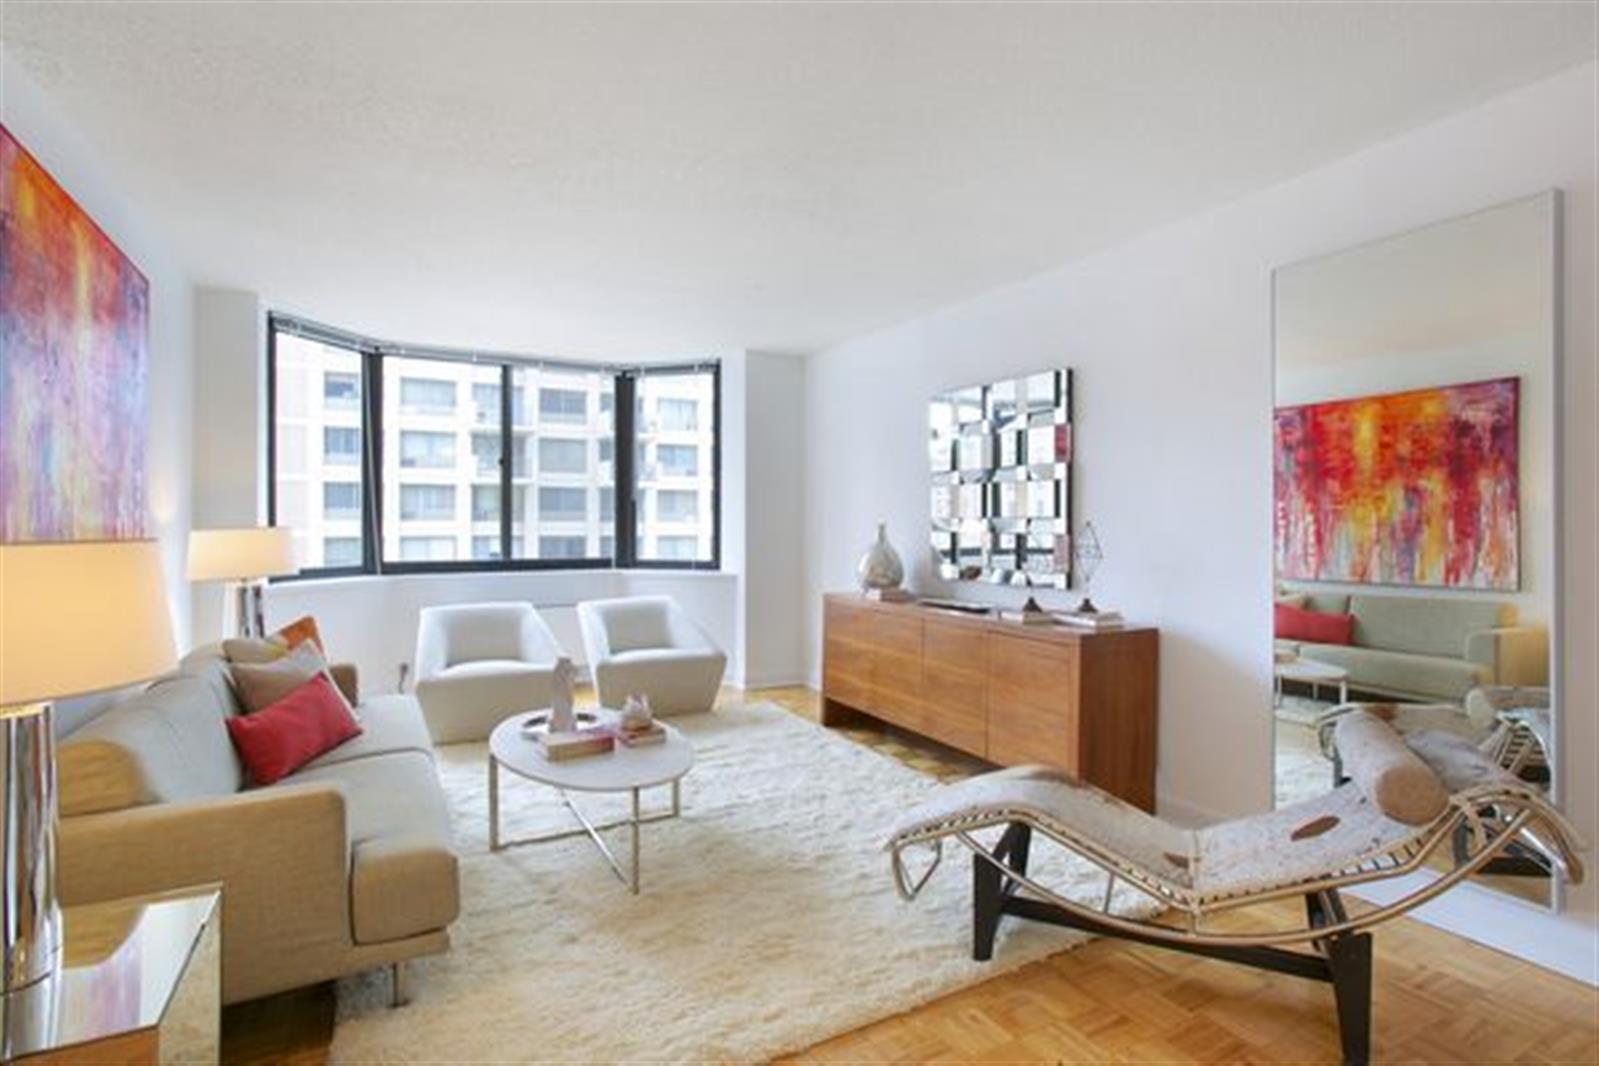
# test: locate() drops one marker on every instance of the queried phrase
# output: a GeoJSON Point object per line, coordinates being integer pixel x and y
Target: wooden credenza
{"type": "Point", "coordinates": [1079, 700]}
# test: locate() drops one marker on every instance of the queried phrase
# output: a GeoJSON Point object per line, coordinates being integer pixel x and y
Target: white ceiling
{"type": "Point", "coordinates": [645, 180]}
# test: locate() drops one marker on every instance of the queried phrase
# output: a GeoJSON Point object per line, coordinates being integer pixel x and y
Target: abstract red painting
{"type": "Point", "coordinates": [1408, 488]}
{"type": "Point", "coordinates": [74, 325]}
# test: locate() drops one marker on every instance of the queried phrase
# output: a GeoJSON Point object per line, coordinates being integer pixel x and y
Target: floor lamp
{"type": "Point", "coordinates": [75, 618]}
{"type": "Point", "coordinates": [246, 557]}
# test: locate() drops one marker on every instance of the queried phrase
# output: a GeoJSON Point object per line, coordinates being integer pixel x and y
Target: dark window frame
{"type": "Point", "coordinates": [622, 532]}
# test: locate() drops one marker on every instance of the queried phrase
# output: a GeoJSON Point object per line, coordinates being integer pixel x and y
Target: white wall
{"type": "Point", "coordinates": [41, 129]}
{"type": "Point", "coordinates": [1170, 335]}
{"type": "Point", "coordinates": [774, 523]}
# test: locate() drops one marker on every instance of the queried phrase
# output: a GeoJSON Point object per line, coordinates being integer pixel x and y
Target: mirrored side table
{"type": "Point", "coordinates": [140, 982]}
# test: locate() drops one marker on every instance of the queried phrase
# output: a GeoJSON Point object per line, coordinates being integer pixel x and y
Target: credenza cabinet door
{"type": "Point", "coordinates": [847, 658]}
{"type": "Point", "coordinates": [896, 643]}
{"type": "Point", "coordinates": [1032, 702]}
{"type": "Point", "coordinates": [955, 685]}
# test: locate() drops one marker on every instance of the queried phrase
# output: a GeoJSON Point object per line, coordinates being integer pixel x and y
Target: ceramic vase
{"type": "Point", "coordinates": [880, 568]}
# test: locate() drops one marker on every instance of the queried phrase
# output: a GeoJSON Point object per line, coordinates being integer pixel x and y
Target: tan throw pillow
{"type": "Point", "coordinates": [253, 650]}
{"type": "Point", "coordinates": [1392, 776]}
{"type": "Point", "coordinates": [260, 685]}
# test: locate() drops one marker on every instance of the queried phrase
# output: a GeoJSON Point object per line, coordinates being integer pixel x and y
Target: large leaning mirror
{"type": "Point", "coordinates": [1414, 552]}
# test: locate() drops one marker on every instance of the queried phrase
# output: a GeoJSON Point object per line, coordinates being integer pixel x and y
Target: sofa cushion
{"type": "Point", "coordinates": [1424, 625]}
{"type": "Point", "coordinates": [277, 740]}
{"type": "Point", "coordinates": [1296, 623]}
{"type": "Point", "coordinates": [169, 742]}
{"type": "Point", "coordinates": [260, 685]}
{"type": "Point", "coordinates": [1428, 676]}
{"type": "Point", "coordinates": [403, 878]}
{"type": "Point", "coordinates": [389, 724]}
{"type": "Point", "coordinates": [1321, 602]}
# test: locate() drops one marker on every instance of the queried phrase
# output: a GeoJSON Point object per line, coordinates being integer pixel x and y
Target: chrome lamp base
{"type": "Point", "coordinates": [30, 917]}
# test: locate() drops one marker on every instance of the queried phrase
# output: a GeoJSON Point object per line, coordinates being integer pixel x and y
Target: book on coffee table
{"type": "Point", "coordinates": [640, 738]}
{"type": "Point", "coordinates": [558, 747]}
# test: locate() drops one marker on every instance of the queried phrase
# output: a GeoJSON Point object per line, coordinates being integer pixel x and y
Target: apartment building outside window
{"type": "Point", "coordinates": [401, 458]}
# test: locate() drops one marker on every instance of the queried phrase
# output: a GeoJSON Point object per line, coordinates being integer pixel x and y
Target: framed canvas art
{"type": "Point", "coordinates": [74, 338]}
{"type": "Point", "coordinates": [1407, 488]}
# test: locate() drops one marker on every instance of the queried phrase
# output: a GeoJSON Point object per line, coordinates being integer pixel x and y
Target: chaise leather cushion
{"type": "Point", "coordinates": [164, 744]}
{"type": "Point", "coordinates": [403, 879]}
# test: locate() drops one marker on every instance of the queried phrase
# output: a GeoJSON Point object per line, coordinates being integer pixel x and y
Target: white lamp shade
{"type": "Point", "coordinates": [81, 617]}
{"type": "Point", "coordinates": [240, 554]}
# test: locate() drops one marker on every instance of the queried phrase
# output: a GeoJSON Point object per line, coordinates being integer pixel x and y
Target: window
{"type": "Point", "coordinates": [676, 443]}
{"type": "Point", "coordinates": [676, 413]}
{"type": "Point", "coordinates": [557, 456]}
{"type": "Point", "coordinates": [427, 549]}
{"type": "Point", "coordinates": [676, 505]}
{"type": "Point", "coordinates": [563, 504]}
{"type": "Point", "coordinates": [486, 453]}
{"type": "Point", "coordinates": [341, 445]}
{"type": "Point", "coordinates": [563, 547]}
{"type": "Point", "coordinates": [341, 391]}
{"type": "Point", "coordinates": [563, 405]}
{"type": "Point", "coordinates": [485, 503]}
{"type": "Point", "coordinates": [341, 500]}
{"type": "Point", "coordinates": [384, 461]}
{"type": "Point", "coordinates": [678, 460]}
{"type": "Point", "coordinates": [486, 403]}
{"type": "Point", "coordinates": [341, 552]}
{"type": "Point", "coordinates": [427, 502]}
{"type": "Point", "coordinates": [426, 450]}
{"type": "Point", "coordinates": [676, 547]}
{"type": "Point", "coordinates": [317, 482]}
{"type": "Point", "coordinates": [427, 395]}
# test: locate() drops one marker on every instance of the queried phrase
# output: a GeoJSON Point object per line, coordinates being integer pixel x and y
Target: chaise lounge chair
{"type": "Point", "coordinates": [1404, 802]}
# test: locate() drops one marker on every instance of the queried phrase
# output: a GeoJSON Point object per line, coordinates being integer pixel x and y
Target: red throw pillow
{"type": "Point", "coordinates": [1296, 623]}
{"type": "Point", "coordinates": [279, 739]}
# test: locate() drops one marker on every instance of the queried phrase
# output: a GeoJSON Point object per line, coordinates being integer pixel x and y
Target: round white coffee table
{"type": "Point", "coordinates": [1314, 674]}
{"type": "Point", "coordinates": [624, 769]}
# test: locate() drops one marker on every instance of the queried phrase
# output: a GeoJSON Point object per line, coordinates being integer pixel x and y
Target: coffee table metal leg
{"type": "Point", "coordinates": [494, 804]}
{"type": "Point", "coordinates": [633, 883]}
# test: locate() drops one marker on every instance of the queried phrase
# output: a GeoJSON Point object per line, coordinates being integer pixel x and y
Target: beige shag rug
{"type": "Point", "coordinates": [768, 919]}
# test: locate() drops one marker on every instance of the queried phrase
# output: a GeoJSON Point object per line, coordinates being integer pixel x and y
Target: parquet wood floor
{"type": "Point", "coordinates": [1438, 998]}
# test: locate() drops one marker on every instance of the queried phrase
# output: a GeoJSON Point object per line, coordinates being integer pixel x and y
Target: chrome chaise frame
{"type": "Point", "coordinates": [1488, 819]}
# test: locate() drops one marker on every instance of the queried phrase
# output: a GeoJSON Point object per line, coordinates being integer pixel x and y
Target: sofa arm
{"type": "Point", "coordinates": [281, 855]}
{"type": "Point", "coordinates": [1517, 655]}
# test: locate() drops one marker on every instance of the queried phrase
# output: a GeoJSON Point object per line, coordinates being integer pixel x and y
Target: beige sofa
{"type": "Point", "coordinates": [1426, 647]}
{"type": "Point", "coordinates": [343, 866]}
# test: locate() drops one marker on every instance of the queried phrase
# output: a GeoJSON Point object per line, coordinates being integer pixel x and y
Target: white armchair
{"type": "Point", "coordinates": [648, 646]}
{"type": "Point", "coordinates": [479, 663]}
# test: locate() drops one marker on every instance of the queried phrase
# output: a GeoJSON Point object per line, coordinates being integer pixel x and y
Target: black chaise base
{"type": "Point", "coordinates": [1343, 960]}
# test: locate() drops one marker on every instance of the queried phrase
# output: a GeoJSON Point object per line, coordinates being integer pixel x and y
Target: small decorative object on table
{"type": "Point", "coordinates": [880, 571]}
{"type": "Point", "coordinates": [636, 726]}
{"type": "Point", "coordinates": [1033, 613]}
{"type": "Point", "coordinates": [1086, 557]}
{"type": "Point", "coordinates": [588, 736]}
{"type": "Point", "coordinates": [562, 679]}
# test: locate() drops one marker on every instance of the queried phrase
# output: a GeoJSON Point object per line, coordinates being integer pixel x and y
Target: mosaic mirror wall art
{"type": "Point", "coordinates": [1001, 461]}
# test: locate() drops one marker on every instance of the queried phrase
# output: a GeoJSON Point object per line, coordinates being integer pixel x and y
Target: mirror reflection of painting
{"type": "Point", "coordinates": [1413, 484]}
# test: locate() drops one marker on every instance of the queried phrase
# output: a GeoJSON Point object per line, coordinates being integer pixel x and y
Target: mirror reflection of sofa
{"type": "Point", "coordinates": [1424, 647]}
